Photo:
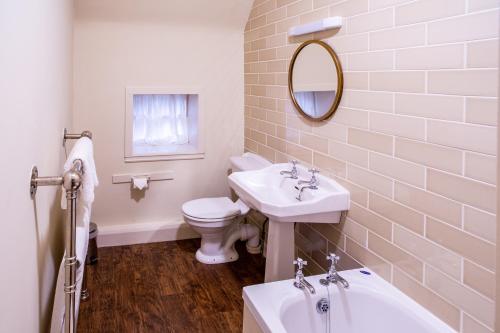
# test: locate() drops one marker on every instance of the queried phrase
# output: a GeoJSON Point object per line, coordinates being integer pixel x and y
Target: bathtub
{"type": "Point", "coordinates": [369, 305]}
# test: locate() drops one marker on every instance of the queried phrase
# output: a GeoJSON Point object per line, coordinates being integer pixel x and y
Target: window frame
{"type": "Point", "coordinates": [191, 151]}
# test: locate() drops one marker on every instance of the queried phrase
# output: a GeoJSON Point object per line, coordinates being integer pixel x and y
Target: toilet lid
{"type": "Point", "coordinates": [211, 208]}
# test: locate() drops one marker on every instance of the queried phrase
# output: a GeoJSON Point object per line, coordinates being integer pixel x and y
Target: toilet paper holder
{"type": "Point", "coordinates": [155, 176]}
{"type": "Point", "coordinates": [140, 182]}
{"type": "Point", "coordinates": [148, 178]}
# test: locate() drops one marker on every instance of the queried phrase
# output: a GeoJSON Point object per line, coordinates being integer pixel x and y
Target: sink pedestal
{"type": "Point", "coordinates": [280, 251]}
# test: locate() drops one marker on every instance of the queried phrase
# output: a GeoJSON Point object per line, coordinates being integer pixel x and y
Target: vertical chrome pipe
{"type": "Point", "coordinates": [71, 183]}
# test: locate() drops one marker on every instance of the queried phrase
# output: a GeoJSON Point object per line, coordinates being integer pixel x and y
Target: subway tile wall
{"type": "Point", "coordinates": [414, 140]}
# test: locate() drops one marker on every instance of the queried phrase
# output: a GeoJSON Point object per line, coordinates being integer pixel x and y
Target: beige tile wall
{"type": "Point", "coordinates": [414, 140]}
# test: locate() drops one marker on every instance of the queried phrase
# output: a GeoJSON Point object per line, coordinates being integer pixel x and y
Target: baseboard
{"type": "Point", "coordinates": [140, 233]}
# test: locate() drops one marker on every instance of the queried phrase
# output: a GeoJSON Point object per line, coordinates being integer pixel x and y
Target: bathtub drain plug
{"type": "Point", "coordinates": [322, 306]}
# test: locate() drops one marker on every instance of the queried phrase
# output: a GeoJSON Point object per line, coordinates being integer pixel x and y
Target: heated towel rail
{"type": "Point", "coordinates": [71, 181]}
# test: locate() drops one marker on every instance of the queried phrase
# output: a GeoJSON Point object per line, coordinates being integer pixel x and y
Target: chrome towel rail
{"type": "Point", "coordinates": [71, 181]}
{"type": "Point", "coordinates": [70, 136]}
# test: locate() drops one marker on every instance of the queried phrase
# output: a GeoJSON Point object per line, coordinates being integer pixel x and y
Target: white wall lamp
{"type": "Point", "coordinates": [321, 25]}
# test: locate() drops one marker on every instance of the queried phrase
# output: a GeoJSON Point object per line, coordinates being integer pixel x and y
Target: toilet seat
{"type": "Point", "coordinates": [211, 210]}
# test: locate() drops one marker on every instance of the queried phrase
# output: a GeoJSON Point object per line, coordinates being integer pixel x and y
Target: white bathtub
{"type": "Point", "coordinates": [369, 305]}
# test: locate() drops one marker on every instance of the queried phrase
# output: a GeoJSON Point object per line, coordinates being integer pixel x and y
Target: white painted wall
{"type": "Point", "coordinates": [35, 105]}
{"type": "Point", "coordinates": [158, 43]}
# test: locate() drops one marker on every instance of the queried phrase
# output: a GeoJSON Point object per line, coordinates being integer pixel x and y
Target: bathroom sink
{"type": "Point", "coordinates": [275, 195]}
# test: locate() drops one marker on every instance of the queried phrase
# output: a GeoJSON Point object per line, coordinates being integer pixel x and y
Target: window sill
{"type": "Point", "coordinates": [144, 153]}
{"type": "Point", "coordinates": [153, 158]}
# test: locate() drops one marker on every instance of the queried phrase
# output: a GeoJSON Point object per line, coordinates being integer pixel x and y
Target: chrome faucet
{"type": "Point", "coordinates": [333, 276]}
{"type": "Point", "coordinates": [300, 280]}
{"type": "Point", "coordinates": [312, 183]}
{"type": "Point", "coordinates": [294, 174]}
{"type": "Point", "coordinates": [301, 189]}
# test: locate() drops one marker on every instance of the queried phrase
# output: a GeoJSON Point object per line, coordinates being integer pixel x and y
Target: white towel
{"type": "Point", "coordinates": [57, 322]}
{"type": "Point", "coordinates": [83, 150]}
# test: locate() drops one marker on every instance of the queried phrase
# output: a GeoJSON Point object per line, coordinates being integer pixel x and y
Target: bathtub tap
{"type": "Point", "coordinates": [300, 281]}
{"type": "Point", "coordinates": [333, 276]}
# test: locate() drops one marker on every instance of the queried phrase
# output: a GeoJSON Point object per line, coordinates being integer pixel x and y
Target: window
{"type": "Point", "coordinates": [161, 124]}
{"type": "Point", "coordinates": [160, 121]}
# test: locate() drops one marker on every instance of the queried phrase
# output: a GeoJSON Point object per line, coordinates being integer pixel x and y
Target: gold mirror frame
{"type": "Point", "coordinates": [340, 79]}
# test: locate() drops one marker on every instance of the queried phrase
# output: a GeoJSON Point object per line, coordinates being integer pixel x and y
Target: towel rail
{"type": "Point", "coordinates": [71, 181]}
{"type": "Point", "coordinates": [70, 136]}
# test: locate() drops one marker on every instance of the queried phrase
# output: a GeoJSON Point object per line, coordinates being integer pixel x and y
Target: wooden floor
{"type": "Point", "coordinates": [160, 287]}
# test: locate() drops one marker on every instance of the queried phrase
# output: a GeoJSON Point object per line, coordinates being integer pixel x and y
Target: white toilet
{"type": "Point", "coordinates": [218, 220]}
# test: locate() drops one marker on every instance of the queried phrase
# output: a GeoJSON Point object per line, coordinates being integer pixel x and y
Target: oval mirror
{"type": "Point", "coordinates": [315, 80]}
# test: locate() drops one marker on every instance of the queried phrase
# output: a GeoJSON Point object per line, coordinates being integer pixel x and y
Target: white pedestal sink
{"type": "Point", "coordinates": [275, 196]}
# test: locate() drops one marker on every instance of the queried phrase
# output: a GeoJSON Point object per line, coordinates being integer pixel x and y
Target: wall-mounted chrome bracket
{"type": "Point", "coordinates": [33, 184]}
{"type": "Point", "coordinates": [36, 181]}
{"type": "Point", "coordinates": [69, 136]}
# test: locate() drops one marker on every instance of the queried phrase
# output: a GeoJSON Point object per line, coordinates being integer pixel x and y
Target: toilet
{"type": "Point", "coordinates": [219, 220]}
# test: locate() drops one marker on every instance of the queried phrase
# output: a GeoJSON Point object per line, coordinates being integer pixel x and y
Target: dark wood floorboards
{"type": "Point", "coordinates": [160, 287]}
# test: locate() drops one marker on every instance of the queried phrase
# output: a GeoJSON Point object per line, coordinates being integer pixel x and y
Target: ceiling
{"type": "Point", "coordinates": [226, 13]}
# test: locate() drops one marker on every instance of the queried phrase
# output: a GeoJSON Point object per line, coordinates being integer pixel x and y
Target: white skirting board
{"type": "Point", "coordinates": [140, 233]}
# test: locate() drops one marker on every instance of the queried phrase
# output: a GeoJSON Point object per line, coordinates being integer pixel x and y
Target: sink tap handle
{"type": "Point", "coordinates": [300, 263]}
{"type": "Point", "coordinates": [314, 171]}
{"type": "Point", "coordinates": [333, 258]}
{"type": "Point", "coordinates": [294, 162]}
{"type": "Point", "coordinates": [332, 271]}
{"type": "Point", "coordinates": [314, 181]}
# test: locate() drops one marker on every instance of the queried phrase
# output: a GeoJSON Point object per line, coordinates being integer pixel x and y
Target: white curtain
{"type": "Point", "coordinates": [315, 103]}
{"type": "Point", "coordinates": [160, 119]}
{"type": "Point", "coordinates": [307, 102]}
